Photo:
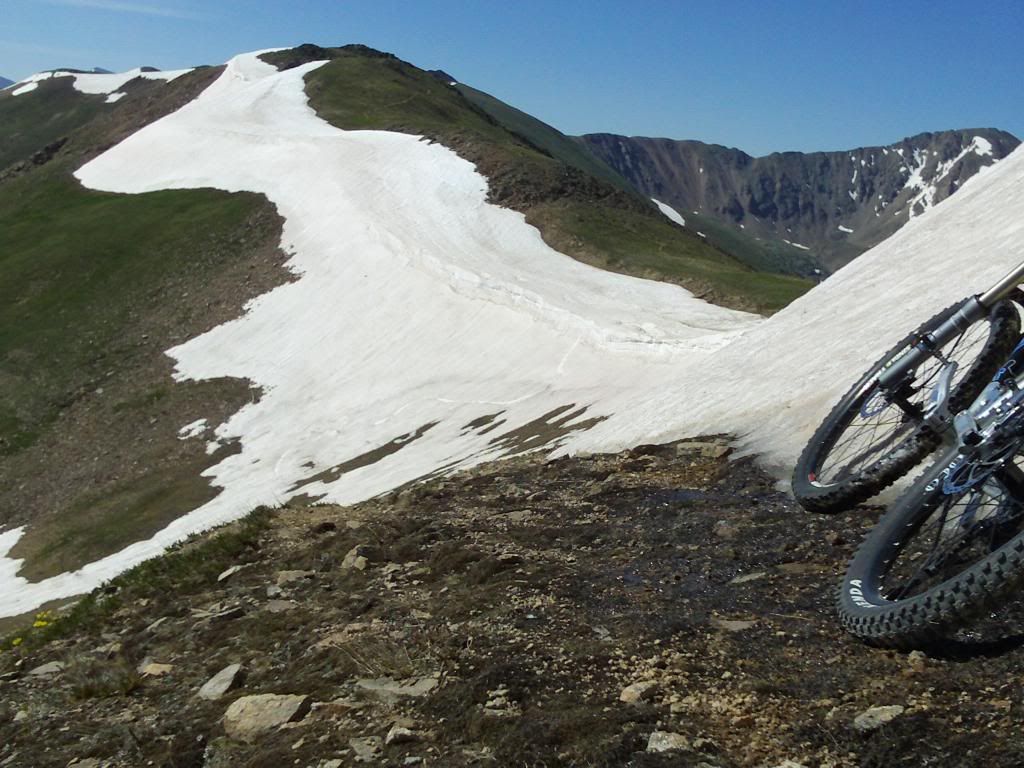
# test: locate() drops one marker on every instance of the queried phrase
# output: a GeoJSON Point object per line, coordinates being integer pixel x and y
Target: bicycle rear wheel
{"type": "Point", "coordinates": [870, 438]}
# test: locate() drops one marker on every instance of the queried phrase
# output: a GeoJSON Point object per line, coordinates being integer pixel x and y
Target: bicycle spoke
{"type": "Point", "coordinates": [961, 530]}
{"type": "Point", "coordinates": [870, 435]}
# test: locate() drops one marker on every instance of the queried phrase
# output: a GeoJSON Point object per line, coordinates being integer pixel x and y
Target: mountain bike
{"type": "Point", "coordinates": [953, 542]}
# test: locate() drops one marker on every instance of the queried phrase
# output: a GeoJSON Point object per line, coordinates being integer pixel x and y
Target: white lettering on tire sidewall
{"type": "Point", "coordinates": [856, 594]}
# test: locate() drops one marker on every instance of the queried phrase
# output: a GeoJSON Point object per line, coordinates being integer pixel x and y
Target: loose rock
{"type": "Point", "coordinates": [400, 735]}
{"type": "Point", "coordinates": [153, 669]}
{"type": "Point", "coordinates": [46, 670]}
{"type": "Point", "coordinates": [225, 575]}
{"type": "Point", "coordinates": [250, 716]}
{"type": "Point", "coordinates": [876, 717]}
{"type": "Point", "coordinates": [284, 578]}
{"type": "Point", "coordinates": [222, 682]}
{"type": "Point", "coordinates": [389, 690]}
{"type": "Point", "coordinates": [732, 625]}
{"type": "Point", "coordinates": [356, 558]}
{"type": "Point", "coordinates": [636, 692]}
{"type": "Point", "coordinates": [664, 741]}
{"type": "Point", "coordinates": [366, 748]}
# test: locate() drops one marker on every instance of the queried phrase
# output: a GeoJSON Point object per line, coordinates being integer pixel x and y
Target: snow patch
{"type": "Point", "coordinates": [193, 429]}
{"type": "Point", "coordinates": [927, 190]}
{"type": "Point", "coordinates": [670, 212]}
{"type": "Point", "coordinates": [797, 245]}
{"type": "Point", "coordinates": [96, 83]}
{"type": "Point", "coordinates": [9, 566]}
{"type": "Point", "coordinates": [847, 230]}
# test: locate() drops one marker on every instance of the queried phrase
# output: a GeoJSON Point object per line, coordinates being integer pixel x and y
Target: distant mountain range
{"type": "Point", "coordinates": [820, 207]}
{"type": "Point", "coordinates": [4, 82]}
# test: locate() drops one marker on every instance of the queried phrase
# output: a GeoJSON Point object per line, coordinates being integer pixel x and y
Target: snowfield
{"type": "Point", "coordinates": [421, 310]}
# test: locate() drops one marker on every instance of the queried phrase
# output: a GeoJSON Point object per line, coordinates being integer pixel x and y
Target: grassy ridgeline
{"type": "Point", "coordinates": [96, 286]}
{"type": "Point", "coordinates": [80, 268]}
{"type": "Point", "coordinates": [571, 196]}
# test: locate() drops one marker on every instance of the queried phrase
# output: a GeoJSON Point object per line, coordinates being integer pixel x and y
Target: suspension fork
{"type": "Point", "coordinates": [973, 310]}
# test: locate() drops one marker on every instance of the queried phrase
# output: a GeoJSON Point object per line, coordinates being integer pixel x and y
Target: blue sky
{"type": "Point", "coordinates": [762, 76]}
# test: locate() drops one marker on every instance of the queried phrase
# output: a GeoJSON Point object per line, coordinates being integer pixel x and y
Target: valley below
{"type": "Point", "coordinates": [662, 606]}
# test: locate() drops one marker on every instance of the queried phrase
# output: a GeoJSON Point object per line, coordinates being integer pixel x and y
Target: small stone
{"type": "Point", "coordinates": [366, 748]}
{"type": "Point", "coordinates": [21, 716]}
{"type": "Point", "coordinates": [801, 569]}
{"type": "Point", "coordinates": [744, 578]}
{"type": "Point", "coordinates": [279, 606]}
{"type": "Point", "coordinates": [400, 735]}
{"type": "Point", "coordinates": [110, 650]}
{"type": "Point", "coordinates": [274, 591]}
{"type": "Point", "coordinates": [157, 624]}
{"type": "Point", "coordinates": [356, 558]}
{"type": "Point", "coordinates": [665, 741]}
{"type": "Point", "coordinates": [225, 575]}
{"type": "Point", "coordinates": [412, 760]}
{"type": "Point", "coordinates": [336, 763]}
{"type": "Point", "coordinates": [45, 670]}
{"type": "Point", "coordinates": [389, 690]}
{"type": "Point", "coordinates": [917, 660]}
{"type": "Point", "coordinates": [152, 669]}
{"type": "Point", "coordinates": [222, 682]}
{"type": "Point", "coordinates": [251, 716]}
{"type": "Point", "coordinates": [790, 764]}
{"type": "Point", "coordinates": [726, 530]}
{"type": "Point", "coordinates": [637, 692]}
{"type": "Point", "coordinates": [875, 717]}
{"type": "Point", "coordinates": [705, 449]}
{"type": "Point", "coordinates": [732, 625]}
{"type": "Point", "coordinates": [285, 578]}
{"type": "Point", "coordinates": [228, 614]}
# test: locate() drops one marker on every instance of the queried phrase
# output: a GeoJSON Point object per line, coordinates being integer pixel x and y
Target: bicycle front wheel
{"type": "Point", "coordinates": [952, 546]}
{"type": "Point", "coordinates": [870, 439]}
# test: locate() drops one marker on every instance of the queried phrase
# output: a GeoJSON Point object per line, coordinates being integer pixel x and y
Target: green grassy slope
{"type": "Point", "coordinates": [95, 286]}
{"type": "Point", "coordinates": [33, 120]}
{"type": "Point", "coordinates": [78, 268]}
{"type": "Point", "coordinates": [532, 170]}
{"type": "Point", "coordinates": [760, 254]}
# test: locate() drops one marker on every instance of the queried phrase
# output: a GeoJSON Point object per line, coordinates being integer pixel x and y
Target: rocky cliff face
{"type": "Point", "coordinates": [832, 205]}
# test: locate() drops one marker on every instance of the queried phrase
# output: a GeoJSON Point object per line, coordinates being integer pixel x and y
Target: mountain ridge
{"type": "Point", "coordinates": [832, 205]}
{"type": "Point", "coordinates": [87, 388]}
